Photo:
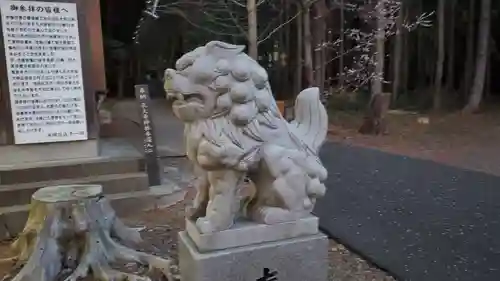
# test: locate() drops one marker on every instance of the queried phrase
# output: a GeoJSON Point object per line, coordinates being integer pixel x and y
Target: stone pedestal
{"type": "Point", "coordinates": [294, 251]}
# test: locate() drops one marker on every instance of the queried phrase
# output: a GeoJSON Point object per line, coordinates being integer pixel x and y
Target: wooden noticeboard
{"type": "Point", "coordinates": [45, 94]}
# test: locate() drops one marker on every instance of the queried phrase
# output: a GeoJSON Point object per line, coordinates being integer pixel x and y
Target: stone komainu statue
{"type": "Point", "coordinates": [234, 130]}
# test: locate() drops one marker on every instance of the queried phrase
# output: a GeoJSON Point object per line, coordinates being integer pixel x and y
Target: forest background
{"type": "Point", "coordinates": [426, 67]}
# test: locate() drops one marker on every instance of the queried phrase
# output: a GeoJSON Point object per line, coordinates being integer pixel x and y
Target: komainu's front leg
{"type": "Point", "coordinates": [200, 202]}
{"type": "Point", "coordinates": [222, 206]}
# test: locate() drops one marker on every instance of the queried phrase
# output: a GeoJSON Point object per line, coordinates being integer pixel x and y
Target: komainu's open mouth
{"type": "Point", "coordinates": [182, 100]}
{"type": "Point", "coordinates": [193, 98]}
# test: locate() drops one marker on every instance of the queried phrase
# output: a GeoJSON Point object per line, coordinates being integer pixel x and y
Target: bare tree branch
{"type": "Point", "coordinates": [279, 27]}
{"type": "Point", "coordinates": [179, 12]}
{"type": "Point", "coordinates": [236, 22]}
{"type": "Point", "coordinates": [238, 3]}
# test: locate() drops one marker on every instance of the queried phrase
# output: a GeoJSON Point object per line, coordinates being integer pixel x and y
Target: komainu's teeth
{"type": "Point", "coordinates": [171, 96]}
{"type": "Point", "coordinates": [180, 96]}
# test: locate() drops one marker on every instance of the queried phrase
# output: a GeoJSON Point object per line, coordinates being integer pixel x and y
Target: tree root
{"type": "Point", "coordinates": [81, 235]}
{"type": "Point", "coordinates": [22, 247]}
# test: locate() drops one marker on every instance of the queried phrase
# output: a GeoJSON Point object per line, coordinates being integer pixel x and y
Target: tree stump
{"type": "Point", "coordinates": [72, 232]}
{"type": "Point", "coordinates": [374, 122]}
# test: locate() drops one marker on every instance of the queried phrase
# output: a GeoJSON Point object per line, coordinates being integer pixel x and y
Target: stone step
{"type": "Point", "coordinates": [13, 218]}
{"type": "Point", "coordinates": [20, 194]}
{"type": "Point", "coordinates": [57, 170]}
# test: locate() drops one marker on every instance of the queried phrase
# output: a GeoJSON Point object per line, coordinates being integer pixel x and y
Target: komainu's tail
{"type": "Point", "coordinates": [311, 120]}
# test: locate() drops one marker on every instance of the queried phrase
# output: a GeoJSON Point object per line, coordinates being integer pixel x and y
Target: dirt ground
{"type": "Point", "coordinates": [160, 238]}
{"type": "Point", "coordinates": [467, 141]}
{"type": "Point", "coordinates": [344, 265]}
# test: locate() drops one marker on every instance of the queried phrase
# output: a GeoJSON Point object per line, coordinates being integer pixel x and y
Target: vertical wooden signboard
{"type": "Point", "coordinates": [150, 150]}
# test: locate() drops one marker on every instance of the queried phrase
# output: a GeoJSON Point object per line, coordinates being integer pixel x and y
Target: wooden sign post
{"type": "Point", "coordinates": [150, 150]}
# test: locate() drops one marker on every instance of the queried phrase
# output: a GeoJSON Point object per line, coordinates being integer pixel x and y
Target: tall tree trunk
{"type": "Point", "coordinates": [481, 59]}
{"type": "Point", "coordinates": [252, 29]}
{"type": "Point", "coordinates": [441, 55]}
{"type": "Point", "coordinates": [378, 78]}
{"type": "Point", "coordinates": [407, 53]}
{"type": "Point", "coordinates": [308, 60]}
{"type": "Point", "coordinates": [122, 75]}
{"type": "Point", "coordinates": [469, 61]}
{"type": "Point", "coordinates": [398, 52]}
{"type": "Point", "coordinates": [279, 44]}
{"type": "Point", "coordinates": [451, 48]}
{"type": "Point", "coordinates": [319, 33]}
{"type": "Point", "coordinates": [374, 121]}
{"type": "Point", "coordinates": [421, 62]}
{"type": "Point", "coordinates": [487, 89]}
{"type": "Point", "coordinates": [329, 55]}
{"type": "Point", "coordinates": [298, 73]}
{"type": "Point", "coordinates": [286, 49]}
{"type": "Point", "coordinates": [341, 47]}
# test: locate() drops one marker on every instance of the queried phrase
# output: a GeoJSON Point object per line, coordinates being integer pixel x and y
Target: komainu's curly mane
{"type": "Point", "coordinates": [244, 105]}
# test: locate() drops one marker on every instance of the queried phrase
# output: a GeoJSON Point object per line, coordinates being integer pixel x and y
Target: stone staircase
{"type": "Point", "coordinates": [124, 182]}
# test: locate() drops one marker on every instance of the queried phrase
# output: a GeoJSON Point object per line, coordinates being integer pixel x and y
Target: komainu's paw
{"type": "Point", "coordinates": [205, 225]}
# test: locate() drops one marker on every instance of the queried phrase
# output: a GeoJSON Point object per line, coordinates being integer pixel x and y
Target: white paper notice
{"type": "Point", "coordinates": [42, 50]}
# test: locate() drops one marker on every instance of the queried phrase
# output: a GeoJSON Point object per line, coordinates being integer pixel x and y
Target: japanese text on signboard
{"type": "Point", "coordinates": [42, 51]}
{"type": "Point", "coordinates": [146, 121]}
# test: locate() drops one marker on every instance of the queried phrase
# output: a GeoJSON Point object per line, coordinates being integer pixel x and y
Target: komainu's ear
{"type": "Point", "coordinates": [221, 49]}
{"type": "Point", "coordinates": [188, 59]}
